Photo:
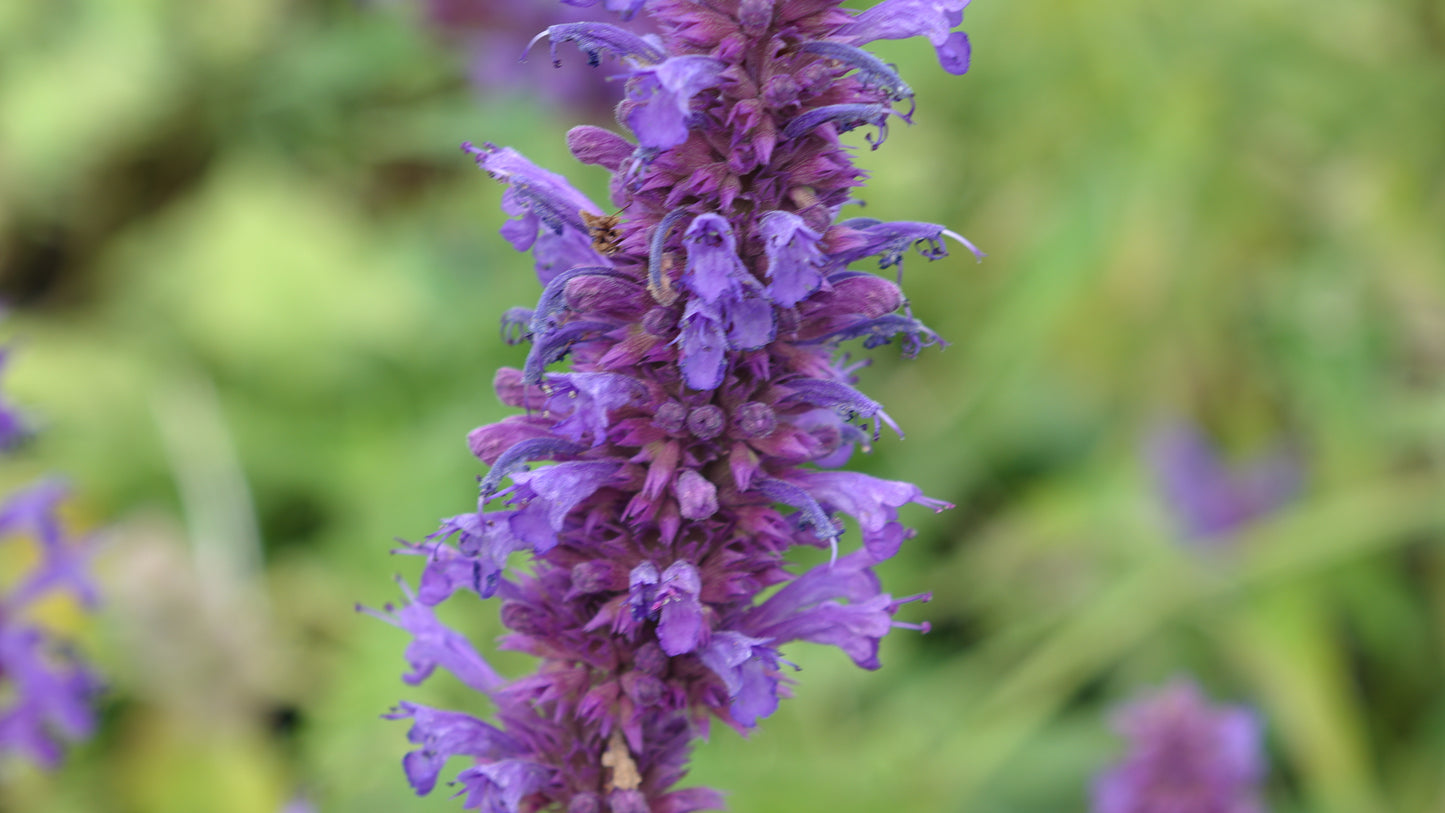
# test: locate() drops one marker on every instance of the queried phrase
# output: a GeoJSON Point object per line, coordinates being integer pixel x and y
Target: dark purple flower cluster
{"type": "Point", "coordinates": [1184, 757]}
{"type": "Point", "coordinates": [698, 433]}
{"type": "Point", "coordinates": [1209, 499]}
{"type": "Point", "coordinates": [45, 691]}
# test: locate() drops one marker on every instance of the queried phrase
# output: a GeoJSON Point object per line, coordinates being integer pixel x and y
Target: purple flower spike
{"type": "Point", "coordinates": [1209, 500]}
{"type": "Point", "coordinates": [1184, 756]}
{"type": "Point", "coordinates": [660, 481]}
{"type": "Point", "coordinates": [46, 692]}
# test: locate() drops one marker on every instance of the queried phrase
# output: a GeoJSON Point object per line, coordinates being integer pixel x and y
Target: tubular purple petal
{"type": "Point", "coordinates": [562, 486]}
{"type": "Point", "coordinates": [554, 296]}
{"type": "Point", "coordinates": [844, 117]}
{"type": "Point", "coordinates": [703, 347]}
{"type": "Point", "coordinates": [435, 644]}
{"type": "Point", "coordinates": [662, 98]}
{"type": "Point", "coordinates": [442, 734]}
{"type": "Point", "coordinates": [547, 209]}
{"type": "Point", "coordinates": [872, 71]}
{"type": "Point", "coordinates": [794, 260]}
{"type": "Point", "coordinates": [849, 402]}
{"type": "Point", "coordinates": [870, 500]}
{"type": "Point", "coordinates": [500, 787]}
{"type": "Point", "coordinates": [881, 331]}
{"type": "Point", "coordinates": [680, 625]}
{"type": "Point", "coordinates": [642, 589]}
{"type": "Point", "coordinates": [902, 19]}
{"type": "Point", "coordinates": [516, 325]}
{"type": "Point", "coordinates": [713, 268]}
{"type": "Point", "coordinates": [517, 457]}
{"type": "Point", "coordinates": [556, 344]}
{"type": "Point", "coordinates": [585, 400]}
{"type": "Point", "coordinates": [810, 514]}
{"type": "Point", "coordinates": [889, 241]}
{"type": "Point", "coordinates": [594, 39]}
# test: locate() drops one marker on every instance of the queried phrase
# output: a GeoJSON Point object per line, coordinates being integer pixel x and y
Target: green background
{"type": "Point", "coordinates": [255, 292]}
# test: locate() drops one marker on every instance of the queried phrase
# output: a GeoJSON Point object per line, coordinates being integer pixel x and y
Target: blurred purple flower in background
{"type": "Point", "coordinates": [1184, 756]}
{"type": "Point", "coordinates": [1209, 498]}
{"type": "Point", "coordinates": [45, 691]}
{"type": "Point", "coordinates": [691, 445]}
{"type": "Point", "coordinates": [299, 804]}
{"type": "Point", "coordinates": [494, 34]}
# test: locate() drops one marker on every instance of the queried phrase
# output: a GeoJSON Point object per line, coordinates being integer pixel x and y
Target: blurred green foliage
{"type": "Point", "coordinates": [257, 292]}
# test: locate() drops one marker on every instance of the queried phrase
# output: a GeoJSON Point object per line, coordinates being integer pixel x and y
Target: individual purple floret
{"type": "Point", "coordinates": [1210, 499]}
{"type": "Point", "coordinates": [1184, 756]}
{"type": "Point", "coordinates": [696, 439]}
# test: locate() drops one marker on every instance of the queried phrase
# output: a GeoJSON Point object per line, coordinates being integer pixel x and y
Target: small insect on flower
{"type": "Point", "coordinates": [606, 238]}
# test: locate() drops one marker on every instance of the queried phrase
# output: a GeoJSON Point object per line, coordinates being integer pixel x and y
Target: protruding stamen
{"type": "Point", "coordinates": [973, 249]}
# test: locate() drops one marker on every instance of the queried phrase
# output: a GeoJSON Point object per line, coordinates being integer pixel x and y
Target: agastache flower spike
{"type": "Point", "coordinates": [1211, 500]}
{"type": "Point", "coordinates": [46, 693]}
{"type": "Point", "coordinates": [1184, 756]}
{"type": "Point", "coordinates": [659, 484]}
